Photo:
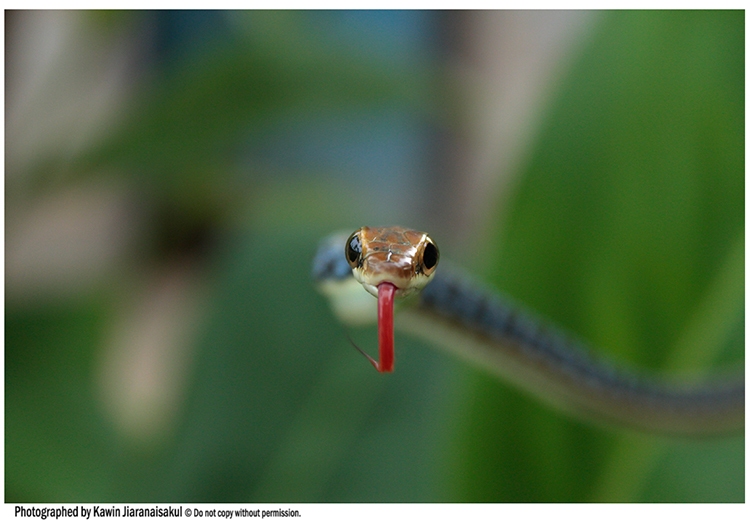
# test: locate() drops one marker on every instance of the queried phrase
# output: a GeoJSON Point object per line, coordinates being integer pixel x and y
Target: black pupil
{"type": "Point", "coordinates": [353, 249]}
{"type": "Point", "coordinates": [430, 257]}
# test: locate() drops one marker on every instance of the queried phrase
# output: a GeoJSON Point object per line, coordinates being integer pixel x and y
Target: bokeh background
{"type": "Point", "coordinates": [169, 174]}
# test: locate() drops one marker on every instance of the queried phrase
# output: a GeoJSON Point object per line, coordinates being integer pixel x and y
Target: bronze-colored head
{"type": "Point", "coordinates": [401, 256]}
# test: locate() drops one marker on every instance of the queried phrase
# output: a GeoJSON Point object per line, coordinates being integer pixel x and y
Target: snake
{"type": "Point", "coordinates": [450, 309]}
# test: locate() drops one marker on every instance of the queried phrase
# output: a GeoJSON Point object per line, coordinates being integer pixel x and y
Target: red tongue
{"type": "Point", "coordinates": [386, 293]}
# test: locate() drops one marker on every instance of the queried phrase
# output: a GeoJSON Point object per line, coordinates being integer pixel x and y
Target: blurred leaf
{"type": "Point", "coordinates": [57, 447]}
{"type": "Point", "coordinates": [625, 215]}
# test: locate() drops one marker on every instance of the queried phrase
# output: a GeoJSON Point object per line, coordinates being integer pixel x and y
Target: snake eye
{"type": "Point", "coordinates": [430, 257]}
{"type": "Point", "coordinates": [353, 249]}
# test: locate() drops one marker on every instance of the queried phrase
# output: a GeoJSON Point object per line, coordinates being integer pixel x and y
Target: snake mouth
{"type": "Point", "coordinates": [386, 296]}
{"type": "Point", "coordinates": [372, 284]}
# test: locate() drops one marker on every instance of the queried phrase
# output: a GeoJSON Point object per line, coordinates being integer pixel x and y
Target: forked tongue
{"type": "Point", "coordinates": [386, 294]}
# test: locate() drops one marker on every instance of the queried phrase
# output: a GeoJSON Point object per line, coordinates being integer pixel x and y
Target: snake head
{"type": "Point", "coordinates": [390, 262]}
{"type": "Point", "coordinates": [403, 257]}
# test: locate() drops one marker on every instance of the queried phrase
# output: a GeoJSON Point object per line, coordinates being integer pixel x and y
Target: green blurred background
{"type": "Point", "coordinates": [168, 177]}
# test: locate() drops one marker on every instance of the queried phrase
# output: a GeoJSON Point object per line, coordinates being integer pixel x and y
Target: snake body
{"type": "Point", "coordinates": [486, 327]}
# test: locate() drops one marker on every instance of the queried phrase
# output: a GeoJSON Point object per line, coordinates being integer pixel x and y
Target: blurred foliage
{"type": "Point", "coordinates": [280, 407]}
{"type": "Point", "coordinates": [627, 218]}
{"type": "Point", "coordinates": [186, 130]}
